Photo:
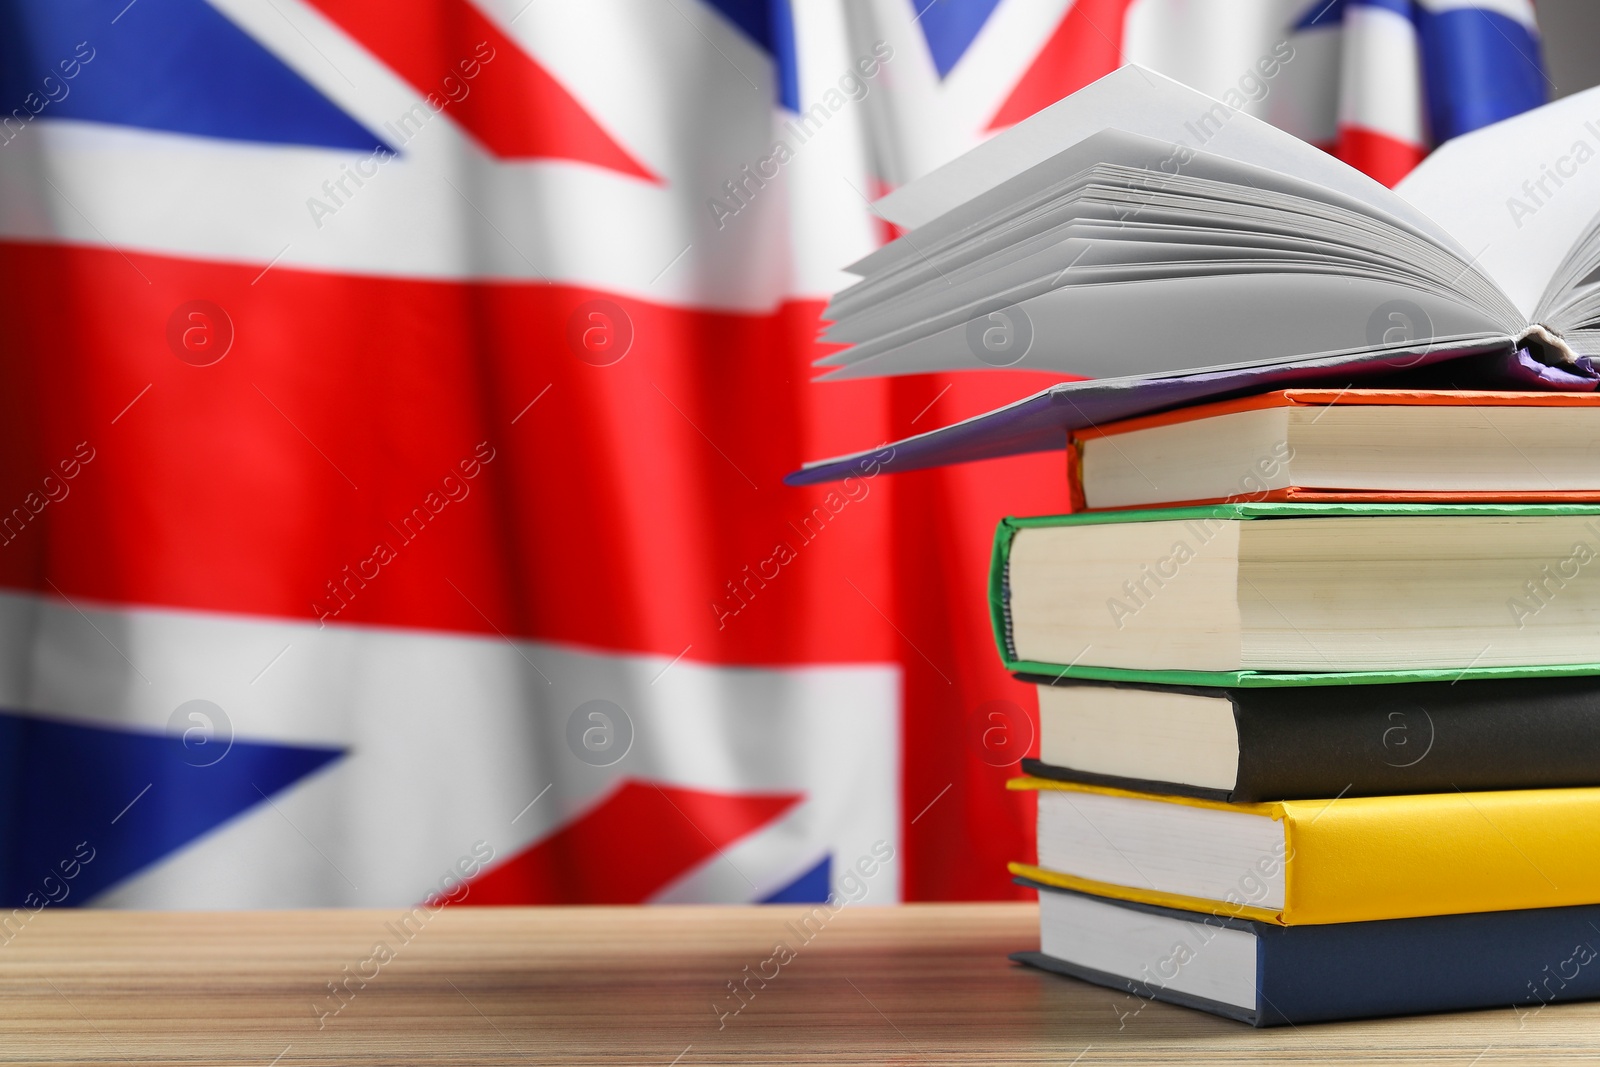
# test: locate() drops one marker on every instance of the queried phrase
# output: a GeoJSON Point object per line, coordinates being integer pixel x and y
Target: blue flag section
{"type": "Point", "coordinates": [174, 65]}
{"type": "Point", "coordinates": [83, 807]}
{"type": "Point", "coordinates": [812, 887]}
{"type": "Point", "coordinates": [1480, 67]}
{"type": "Point", "coordinates": [770, 23]}
{"type": "Point", "coordinates": [950, 26]}
{"type": "Point", "coordinates": [1321, 13]}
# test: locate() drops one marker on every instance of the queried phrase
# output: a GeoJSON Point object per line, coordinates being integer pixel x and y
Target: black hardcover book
{"type": "Point", "coordinates": [1305, 742]}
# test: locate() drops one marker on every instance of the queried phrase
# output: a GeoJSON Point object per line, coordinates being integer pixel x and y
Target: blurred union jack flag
{"type": "Point", "coordinates": [395, 403]}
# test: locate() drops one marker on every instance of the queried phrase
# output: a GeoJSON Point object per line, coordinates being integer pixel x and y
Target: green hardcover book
{"type": "Point", "coordinates": [1298, 594]}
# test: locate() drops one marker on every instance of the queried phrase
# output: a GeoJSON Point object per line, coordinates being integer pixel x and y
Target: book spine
{"type": "Point", "coordinates": [1076, 501]}
{"type": "Point", "coordinates": [999, 594]}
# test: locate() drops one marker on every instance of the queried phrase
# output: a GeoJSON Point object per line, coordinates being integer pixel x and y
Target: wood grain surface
{"type": "Point", "coordinates": [919, 984]}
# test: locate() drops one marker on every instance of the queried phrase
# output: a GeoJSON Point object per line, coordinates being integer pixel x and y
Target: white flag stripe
{"type": "Point", "coordinates": [1518, 10]}
{"type": "Point", "coordinates": [1206, 44]}
{"type": "Point", "coordinates": [1379, 39]}
{"type": "Point", "coordinates": [445, 214]}
{"type": "Point", "coordinates": [448, 738]}
{"type": "Point", "coordinates": [446, 209]}
{"type": "Point", "coordinates": [1220, 45]}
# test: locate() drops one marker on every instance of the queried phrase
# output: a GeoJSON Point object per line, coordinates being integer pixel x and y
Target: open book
{"type": "Point", "coordinates": [1143, 234]}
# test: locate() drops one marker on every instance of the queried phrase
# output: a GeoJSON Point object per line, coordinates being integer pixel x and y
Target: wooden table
{"type": "Point", "coordinates": [909, 985]}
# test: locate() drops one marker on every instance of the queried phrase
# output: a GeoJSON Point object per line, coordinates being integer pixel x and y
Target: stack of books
{"type": "Point", "coordinates": [1317, 645]}
{"type": "Point", "coordinates": [1317, 742]}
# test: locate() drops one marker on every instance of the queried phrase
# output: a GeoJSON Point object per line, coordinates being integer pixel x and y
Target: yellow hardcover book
{"type": "Point", "coordinates": [1305, 862]}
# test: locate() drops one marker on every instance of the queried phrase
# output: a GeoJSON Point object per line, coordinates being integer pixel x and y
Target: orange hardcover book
{"type": "Point", "coordinates": [1346, 446]}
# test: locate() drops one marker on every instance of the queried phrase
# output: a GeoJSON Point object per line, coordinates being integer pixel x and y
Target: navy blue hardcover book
{"type": "Point", "coordinates": [1268, 975]}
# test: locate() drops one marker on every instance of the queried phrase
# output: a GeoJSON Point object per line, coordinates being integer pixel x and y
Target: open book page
{"type": "Point", "coordinates": [1098, 261]}
{"type": "Point", "coordinates": [1143, 102]}
{"type": "Point", "coordinates": [1148, 183]}
{"type": "Point", "coordinates": [1519, 194]}
{"type": "Point", "coordinates": [1171, 325]}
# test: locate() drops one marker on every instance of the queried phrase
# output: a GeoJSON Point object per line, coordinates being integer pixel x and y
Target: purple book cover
{"type": "Point", "coordinates": [1040, 423]}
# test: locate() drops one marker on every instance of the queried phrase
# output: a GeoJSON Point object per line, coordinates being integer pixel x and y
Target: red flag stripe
{"type": "Point", "coordinates": [1385, 158]}
{"type": "Point", "coordinates": [510, 104]}
{"type": "Point", "coordinates": [1086, 46]}
{"type": "Point", "coordinates": [620, 504]}
{"type": "Point", "coordinates": [629, 847]}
